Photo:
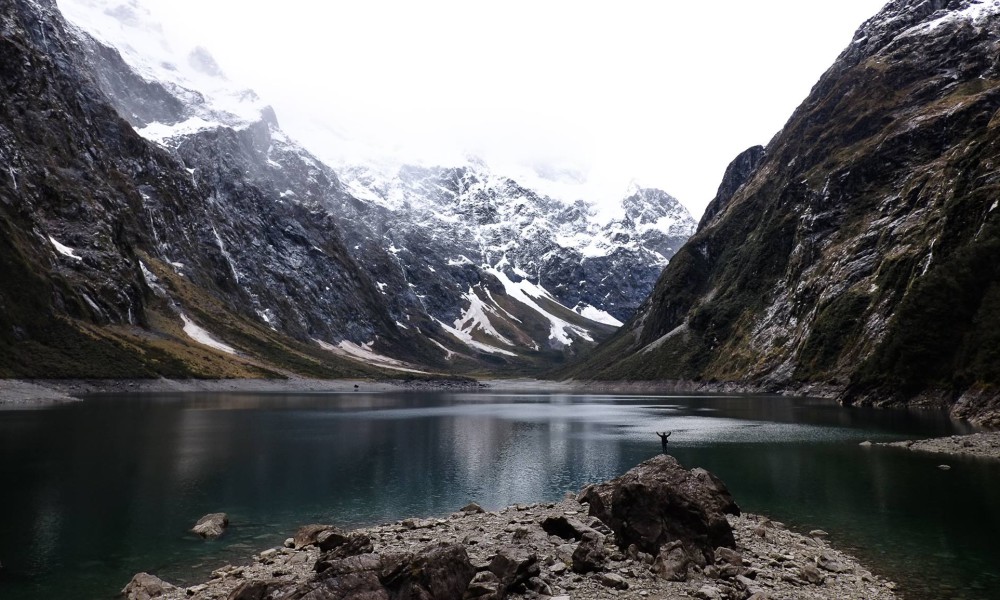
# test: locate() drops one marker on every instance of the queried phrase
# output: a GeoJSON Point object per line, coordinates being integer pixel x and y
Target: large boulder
{"type": "Point", "coordinates": [659, 502]}
{"type": "Point", "coordinates": [212, 525]}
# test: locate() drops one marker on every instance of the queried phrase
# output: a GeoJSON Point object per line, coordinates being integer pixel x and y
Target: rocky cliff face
{"type": "Point", "coordinates": [861, 252]}
{"type": "Point", "coordinates": [162, 223]}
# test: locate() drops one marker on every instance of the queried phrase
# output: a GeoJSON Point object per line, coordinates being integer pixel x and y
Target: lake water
{"type": "Point", "coordinates": [93, 492]}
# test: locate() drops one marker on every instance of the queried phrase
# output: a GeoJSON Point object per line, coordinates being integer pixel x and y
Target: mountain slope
{"type": "Point", "coordinates": [113, 262]}
{"type": "Point", "coordinates": [456, 255]}
{"type": "Point", "coordinates": [860, 252]}
{"type": "Point", "coordinates": [187, 230]}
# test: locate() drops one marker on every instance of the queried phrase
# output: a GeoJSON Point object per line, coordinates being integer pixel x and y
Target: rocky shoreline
{"type": "Point", "coordinates": [20, 393]}
{"type": "Point", "coordinates": [980, 445]}
{"type": "Point", "coordinates": [659, 531]}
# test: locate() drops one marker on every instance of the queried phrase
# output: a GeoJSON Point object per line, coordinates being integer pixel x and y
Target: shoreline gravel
{"type": "Point", "coordinates": [775, 561]}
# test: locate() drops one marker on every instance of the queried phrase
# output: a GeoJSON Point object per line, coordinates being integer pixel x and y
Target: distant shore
{"type": "Point", "coordinates": [20, 393]}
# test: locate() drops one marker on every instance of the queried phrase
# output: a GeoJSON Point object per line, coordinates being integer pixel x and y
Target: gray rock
{"type": "Point", "coordinates": [211, 526]}
{"type": "Point", "coordinates": [589, 554]}
{"type": "Point", "coordinates": [613, 580]}
{"type": "Point", "coordinates": [437, 572]}
{"type": "Point", "coordinates": [709, 592]}
{"type": "Point", "coordinates": [484, 585]}
{"type": "Point", "coordinates": [472, 508]}
{"type": "Point", "coordinates": [514, 567]}
{"type": "Point", "coordinates": [568, 528]}
{"type": "Point", "coordinates": [308, 535]}
{"type": "Point", "coordinates": [145, 587]}
{"type": "Point", "coordinates": [810, 573]}
{"type": "Point", "coordinates": [827, 562]}
{"type": "Point", "coordinates": [672, 562]}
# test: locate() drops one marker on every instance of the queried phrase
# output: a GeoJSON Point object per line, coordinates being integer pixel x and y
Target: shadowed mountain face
{"type": "Point", "coordinates": [155, 220]}
{"type": "Point", "coordinates": [859, 251]}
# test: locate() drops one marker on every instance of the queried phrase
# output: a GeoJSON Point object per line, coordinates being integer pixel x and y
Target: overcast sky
{"type": "Point", "coordinates": [666, 93]}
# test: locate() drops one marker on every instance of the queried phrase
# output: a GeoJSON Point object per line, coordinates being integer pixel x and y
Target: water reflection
{"type": "Point", "coordinates": [99, 490]}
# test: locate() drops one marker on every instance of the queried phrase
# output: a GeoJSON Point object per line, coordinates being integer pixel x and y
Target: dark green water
{"type": "Point", "coordinates": [93, 492]}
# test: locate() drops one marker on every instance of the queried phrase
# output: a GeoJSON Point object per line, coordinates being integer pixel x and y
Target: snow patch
{"type": "Point", "coordinates": [365, 354]}
{"type": "Point", "coordinates": [477, 317]}
{"type": "Point", "coordinates": [447, 353]}
{"type": "Point", "coordinates": [466, 339]}
{"type": "Point", "coordinates": [161, 133]}
{"type": "Point", "coordinates": [202, 336]}
{"type": "Point", "coordinates": [64, 250]}
{"type": "Point", "coordinates": [595, 314]}
{"type": "Point", "coordinates": [526, 293]}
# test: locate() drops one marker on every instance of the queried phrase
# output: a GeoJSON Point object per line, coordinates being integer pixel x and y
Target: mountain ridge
{"type": "Point", "coordinates": [853, 257]}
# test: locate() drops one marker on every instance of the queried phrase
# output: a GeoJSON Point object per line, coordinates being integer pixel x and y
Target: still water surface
{"type": "Point", "coordinates": [93, 492]}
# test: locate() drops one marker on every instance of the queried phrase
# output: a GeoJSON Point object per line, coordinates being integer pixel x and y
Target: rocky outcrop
{"type": "Point", "coordinates": [739, 171]}
{"type": "Point", "coordinates": [558, 550]}
{"type": "Point", "coordinates": [860, 253]}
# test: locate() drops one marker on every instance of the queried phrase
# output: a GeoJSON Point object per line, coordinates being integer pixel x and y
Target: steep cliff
{"type": "Point", "coordinates": [117, 260]}
{"type": "Point", "coordinates": [862, 253]}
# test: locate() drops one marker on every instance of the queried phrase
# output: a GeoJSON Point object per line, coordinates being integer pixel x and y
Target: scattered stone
{"type": "Point", "coordinates": [211, 526]}
{"type": "Point", "coordinates": [612, 580]}
{"type": "Point", "coordinates": [810, 573]}
{"type": "Point", "coordinates": [818, 533]}
{"type": "Point", "coordinates": [827, 562]}
{"type": "Point", "coordinates": [145, 587]}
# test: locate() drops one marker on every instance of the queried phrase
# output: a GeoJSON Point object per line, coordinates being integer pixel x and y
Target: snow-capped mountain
{"type": "Point", "coordinates": [601, 268]}
{"type": "Point", "coordinates": [247, 244]}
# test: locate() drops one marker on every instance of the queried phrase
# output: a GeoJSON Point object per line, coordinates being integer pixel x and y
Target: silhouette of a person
{"type": "Point", "coordinates": [663, 439]}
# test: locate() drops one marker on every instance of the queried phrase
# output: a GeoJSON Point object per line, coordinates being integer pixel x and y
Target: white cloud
{"type": "Point", "coordinates": [661, 92]}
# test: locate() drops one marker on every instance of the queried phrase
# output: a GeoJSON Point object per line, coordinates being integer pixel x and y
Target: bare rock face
{"type": "Point", "coordinates": [659, 502]}
{"type": "Point", "coordinates": [146, 587]}
{"type": "Point", "coordinates": [212, 525]}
